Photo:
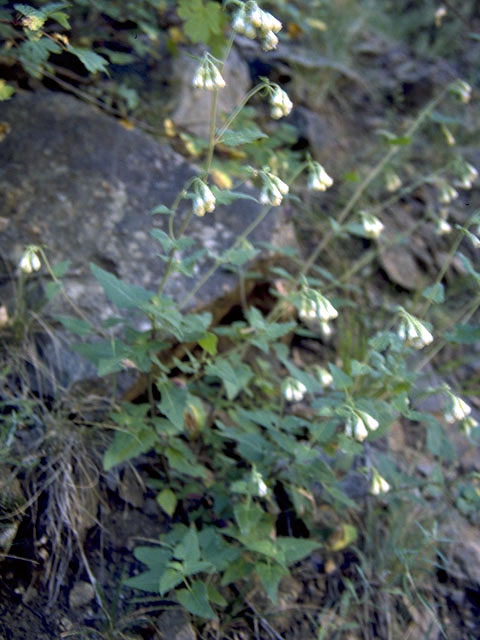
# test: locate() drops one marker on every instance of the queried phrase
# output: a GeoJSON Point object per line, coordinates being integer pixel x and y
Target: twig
{"type": "Point", "coordinates": [265, 624]}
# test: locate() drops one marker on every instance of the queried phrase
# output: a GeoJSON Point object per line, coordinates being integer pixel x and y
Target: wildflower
{"type": "Point", "coordinates": [442, 227]}
{"type": "Point", "coordinates": [293, 390]}
{"type": "Point", "coordinates": [413, 331]}
{"type": "Point", "coordinates": [30, 261]}
{"type": "Point", "coordinates": [448, 135]}
{"type": "Point", "coordinates": [251, 21]}
{"type": "Point", "coordinates": [392, 181]}
{"type": "Point", "coordinates": [467, 174]}
{"type": "Point", "coordinates": [270, 41]}
{"type": "Point", "coordinates": [440, 13]}
{"type": "Point", "coordinates": [315, 306]}
{"type": "Point", "coordinates": [324, 376]}
{"type": "Point", "coordinates": [355, 428]}
{"type": "Point", "coordinates": [281, 103]}
{"type": "Point", "coordinates": [468, 424]}
{"type": "Point", "coordinates": [372, 226]}
{"type": "Point", "coordinates": [359, 424]}
{"type": "Point", "coordinates": [273, 189]}
{"type": "Point", "coordinates": [326, 329]}
{"type": "Point", "coordinates": [208, 76]}
{"type": "Point", "coordinates": [259, 484]}
{"type": "Point", "coordinates": [204, 200]}
{"type": "Point", "coordinates": [458, 409]}
{"type": "Point", "coordinates": [318, 178]}
{"type": "Point", "coordinates": [378, 484]}
{"type": "Point", "coordinates": [462, 90]}
{"type": "Point", "coordinates": [447, 193]}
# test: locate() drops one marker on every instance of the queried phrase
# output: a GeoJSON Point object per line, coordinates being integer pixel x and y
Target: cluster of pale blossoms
{"type": "Point", "coordinates": [280, 102]}
{"type": "Point", "coordinates": [273, 189]}
{"type": "Point", "coordinates": [359, 424]}
{"type": "Point", "coordinates": [392, 181]}
{"type": "Point", "coordinates": [372, 226]}
{"type": "Point", "coordinates": [467, 174]}
{"type": "Point", "coordinates": [462, 90]}
{"type": "Point", "coordinates": [251, 21]}
{"type": "Point", "coordinates": [203, 199]}
{"type": "Point", "coordinates": [207, 75]}
{"type": "Point", "coordinates": [378, 485]}
{"type": "Point", "coordinates": [30, 261]}
{"type": "Point", "coordinates": [314, 306]}
{"type": "Point", "coordinates": [318, 178]}
{"type": "Point", "coordinates": [293, 390]}
{"type": "Point", "coordinates": [414, 332]}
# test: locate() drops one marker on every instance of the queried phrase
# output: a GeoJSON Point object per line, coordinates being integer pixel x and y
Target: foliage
{"type": "Point", "coordinates": [237, 420]}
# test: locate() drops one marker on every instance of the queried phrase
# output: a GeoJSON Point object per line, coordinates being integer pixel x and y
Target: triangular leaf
{"type": "Point", "coordinates": [128, 296]}
{"type": "Point", "coordinates": [195, 600]}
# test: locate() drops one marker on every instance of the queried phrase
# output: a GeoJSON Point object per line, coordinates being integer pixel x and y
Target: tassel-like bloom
{"type": "Point", "coordinates": [293, 390]}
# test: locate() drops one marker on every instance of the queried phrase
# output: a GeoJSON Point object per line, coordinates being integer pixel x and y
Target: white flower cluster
{"type": "Point", "coordinates": [314, 306]}
{"type": "Point", "coordinates": [323, 375]}
{"type": "Point", "coordinates": [203, 200]}
{"type": "Point", "coordinates": [251, 21]}
{"type": "Point", "coordinates": [413, 331]}
{"type": "Point", "coordinates": [30, 261]}
{"type": "Point", "coordinates": [372, 226]}
{"type": "Point", "coordinates": [458, 409]}
{"type": "Point", "coordinates": [392, 181]}
{"type": "Point", "coordinates": [318, 178]}
{"type": "Point", "coordinates": [442, 226]}
{"type": "Point", "coordinates": [259, 484]}
{"type": "Point", "coordinates": [447, 193]}
{"type": "Point", "coordinates": [462, 90]}
{"type": "Point", "coordinates": [281, 103]}
{"type": "Point", "coordinates": [273, 189]}
{"type": "Point", "coordinates": [378, 485]}
{"type": "Point", "coordinates": [467, 175]}
{"type": "Point", "coordinates": [293, 390]}
{"type": "Point", "coordinates": [359, 424]}
{"type": "Point", "coordinates": [208, 76]}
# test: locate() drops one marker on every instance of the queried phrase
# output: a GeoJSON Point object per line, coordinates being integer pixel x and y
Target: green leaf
{"type": "Point", "coordinates": [468, 266]}
{"type": "Point", "coordinates": [169, 580]}
{"type": "Point", "coordinates": [195, 600]}
{"type": "Point", "coordinates": [128, 445]}
{"type": "Point", "coordinates": [215, 596]}
{"type": "Point", "coordinates": [60, 268]}
{"type": "Point", "coordinates": [52, 289]}
{"type": "Point", "coordinates": [128, 296]}
{"type": "Point", "coordinates": [464, 334]}
{"type": "Point", "coordinates": [90, 60]}
{"type": "Point", "coordinates": [203, 20]}
{"type": "Point", "coordinates": [235, 378]}
{"type": "Point", "coordinates": [270, 575]}
{"type": "Point", "coordinates": [242, 136]}
{"type": "Point", "coordinates": [162, 209]}
{"type": "Point", "coordinates": [435, 293]}
{"type": "Point", "coordinates": [236, 571]}
{"type": "Point", "coordinates": [183, 460]}
{"type": "Point", "coordinates": [247, 516]}
{"type": "Point", "coordinates": [172, 403]}
{"type": "Point", "coordinates": [340, 379]}
{"type": "Point", "coordinates": [156, 558]}
{"type": "Point", "coordinates": [189, 548]}
{"type": "Point", "coordinates": [224, 196]}
{"type": "Point", "coordinates": [438, 442]}
{"type": "Point", "coordinates": [75, 325]}
{"type": "Point", "coordinates": [61, 17]}
{"type": "Point", "coordinates": [168, 501]}
{"type": "Point", "coordinates": [147, 581]}
{"type": "Point", "coordinates": [295, 549]}
{"type": "Point", "coordinates": [209, 343]}
{"type": "Point", "coordinates": [6, 90]}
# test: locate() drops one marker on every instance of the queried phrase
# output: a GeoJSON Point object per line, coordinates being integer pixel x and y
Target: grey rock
{"type": "Point", "coordinates": [77, 182]}
{"type": "Point", "coordinates": [81, 594]}
{"type": "Point", "coordinates": [174, 625]}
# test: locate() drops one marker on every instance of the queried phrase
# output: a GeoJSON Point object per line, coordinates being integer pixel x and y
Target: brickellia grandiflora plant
{"type": "Point", "coordinates": [227, 432]}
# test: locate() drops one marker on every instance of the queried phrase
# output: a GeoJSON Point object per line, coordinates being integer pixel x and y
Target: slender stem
{"type": "Point", "coordinates": [232, 117]}
{"type": "Point", "coordinates": [367, 181]}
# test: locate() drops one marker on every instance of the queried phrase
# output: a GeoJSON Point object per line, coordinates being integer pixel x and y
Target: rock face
{"type": "Point", "coordinates": [83, 186]}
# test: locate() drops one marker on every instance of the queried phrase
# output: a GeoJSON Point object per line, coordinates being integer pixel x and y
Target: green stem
{"type": "Point", "coordinates": [368, 180]}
